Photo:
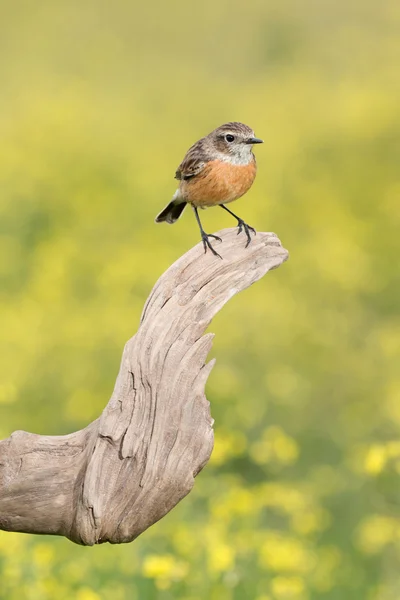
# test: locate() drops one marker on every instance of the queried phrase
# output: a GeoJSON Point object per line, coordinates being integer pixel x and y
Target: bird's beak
{"type": "Point", "coordinates": [254, 140]}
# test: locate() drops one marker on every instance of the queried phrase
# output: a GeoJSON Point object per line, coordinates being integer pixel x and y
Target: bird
{"type": "Point", "coordinates": [218, 169]}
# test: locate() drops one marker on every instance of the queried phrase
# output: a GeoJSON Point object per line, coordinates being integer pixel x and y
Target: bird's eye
{"type": "Point", "coordinates": [229, 137]}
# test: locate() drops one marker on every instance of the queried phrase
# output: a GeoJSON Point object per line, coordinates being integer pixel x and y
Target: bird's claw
{"type": "Point", "coordinates": [207, 244]}
{"type": "Point", "coordinates": [247, 229]}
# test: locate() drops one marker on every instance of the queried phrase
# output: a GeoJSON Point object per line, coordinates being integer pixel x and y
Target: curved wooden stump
{"type": "Point", "coordinates": [127, 469]}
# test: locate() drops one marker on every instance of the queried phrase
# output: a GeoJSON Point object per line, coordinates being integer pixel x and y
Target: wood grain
{"type": "Point", "coordinates": [123, 472]}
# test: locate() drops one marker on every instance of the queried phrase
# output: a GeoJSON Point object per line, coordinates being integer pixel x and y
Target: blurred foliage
{"type": "Point", "coordinates": [98, 103]}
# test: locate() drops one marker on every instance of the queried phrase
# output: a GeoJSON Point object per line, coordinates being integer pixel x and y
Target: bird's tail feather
{"type": "Point", "coordinates": [171, 212]}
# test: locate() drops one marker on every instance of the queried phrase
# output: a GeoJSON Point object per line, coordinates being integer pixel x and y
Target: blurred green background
{"type": "Point", "coordinates": [98, 103]}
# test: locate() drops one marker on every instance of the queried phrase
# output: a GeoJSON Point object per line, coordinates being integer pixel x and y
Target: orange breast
{"type": "Point", "coordinates": [219, 182]}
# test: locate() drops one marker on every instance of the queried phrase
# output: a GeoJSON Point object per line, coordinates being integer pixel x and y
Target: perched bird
{"type": "Point", "coordinates": [217, 169]}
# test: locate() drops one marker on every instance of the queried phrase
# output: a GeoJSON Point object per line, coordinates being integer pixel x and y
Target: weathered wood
{"type": "Point", "coordinates": [127, 469]}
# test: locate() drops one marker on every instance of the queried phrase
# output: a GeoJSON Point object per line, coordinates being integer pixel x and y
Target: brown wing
{"type": "Point", "coordinates": [193, 163]}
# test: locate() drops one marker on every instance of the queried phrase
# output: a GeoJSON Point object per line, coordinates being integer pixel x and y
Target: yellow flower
{"type": "Point", "coordinates": [43, 554]}
{"type": "Point", "coordinates": [375, 460]}
{"type": "Point", "coordinates": [163, 567]}
{"type": "Point", "coordinates": [276, 446]}
{"type": "Point", "coordinates": [221, 557]}
{"type": "Point", "coordinates": [86, 593]}
{"type": "Point", "coordinates": [284, 553]}
{"type": "Point", "coordinates": [376, 532]}
{"type": "Point", "coordinates": [227, 445]}
{"type": "Point", "coordinates": [287, 587]}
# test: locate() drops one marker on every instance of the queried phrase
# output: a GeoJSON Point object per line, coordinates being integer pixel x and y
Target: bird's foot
{"type": "Point", "coordinates": [242, 226]}
{"type": "Point", "coordinates": [207, 244]}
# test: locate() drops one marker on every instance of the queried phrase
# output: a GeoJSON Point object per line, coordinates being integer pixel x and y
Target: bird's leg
{"type": "Point", "coordinates": [205, 236]}
{"type": "Point", "coordinates": [241, 224]}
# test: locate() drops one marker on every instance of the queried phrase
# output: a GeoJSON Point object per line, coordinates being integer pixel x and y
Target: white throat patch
{"type": "Point", "coordinates": [241, 156]}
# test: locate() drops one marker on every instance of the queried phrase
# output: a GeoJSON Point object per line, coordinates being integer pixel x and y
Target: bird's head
{"type": "Point", "coordinates": [234, 140]}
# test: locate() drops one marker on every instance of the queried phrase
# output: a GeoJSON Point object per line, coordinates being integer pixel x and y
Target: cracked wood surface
{"type": "Point", "coordinates": [123, 472]}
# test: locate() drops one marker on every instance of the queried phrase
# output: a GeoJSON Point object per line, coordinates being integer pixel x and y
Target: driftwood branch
{"type": "Point", "coordinates": [127, 469]}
